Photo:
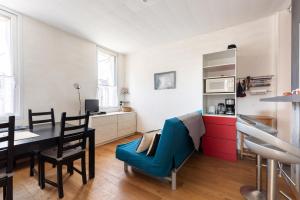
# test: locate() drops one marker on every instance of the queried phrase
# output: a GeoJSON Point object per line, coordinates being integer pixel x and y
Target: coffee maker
{"type": "Point", "coordinates": [230, 106]}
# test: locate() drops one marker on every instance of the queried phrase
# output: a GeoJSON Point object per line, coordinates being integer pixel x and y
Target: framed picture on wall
{"type": "Point", "coordinates": [165, 80]}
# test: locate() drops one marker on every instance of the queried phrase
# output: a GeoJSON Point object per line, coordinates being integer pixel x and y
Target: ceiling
{"type": "Point", "coordinates": [130, 25]}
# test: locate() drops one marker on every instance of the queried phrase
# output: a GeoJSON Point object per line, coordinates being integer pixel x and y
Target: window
{"type": "Point", "coordinates": [9, 90]}
{"type": "Point", "coordinates": [107, 84]}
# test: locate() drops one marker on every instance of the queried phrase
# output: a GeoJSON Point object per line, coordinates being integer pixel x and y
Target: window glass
{"type": "Point", "coordinates": [107, 86]}
{"type": "Point", "coordinates": [8, 91]}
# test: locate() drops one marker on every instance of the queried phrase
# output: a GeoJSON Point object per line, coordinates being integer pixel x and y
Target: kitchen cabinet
{"type": "Point", "coordinates": [112, 126]}
{"type": "Point", "coordinates": [220, 137]}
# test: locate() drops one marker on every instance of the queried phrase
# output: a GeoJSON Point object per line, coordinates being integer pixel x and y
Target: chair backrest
{"type": "Point", "coordinates": [7, 144]}
{"type": "Point", "coordinates": [32, 122]}
{"type": "Point", "coordinates": [72, 136]}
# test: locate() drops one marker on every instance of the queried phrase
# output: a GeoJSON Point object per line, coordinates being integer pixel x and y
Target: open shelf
{"type": "Point", "coordinates": [208, 77]}
{"type": "Point", "coordinates": [219, 94]}
{"type": "Point", "coordinates": [220, 66]}
{"type": "Point", "coordinates": [224, 70]}
{"type": "Point", "coordinates": [220, 58]}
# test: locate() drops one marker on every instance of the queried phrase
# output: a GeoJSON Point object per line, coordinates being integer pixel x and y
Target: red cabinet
{"type": "Point", "coordinates": [220, 137]}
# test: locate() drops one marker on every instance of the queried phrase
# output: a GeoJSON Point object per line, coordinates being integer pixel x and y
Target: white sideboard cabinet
{"type": "Point", "coordinates": [112, 126]}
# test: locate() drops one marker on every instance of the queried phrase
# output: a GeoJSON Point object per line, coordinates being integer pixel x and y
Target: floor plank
{"type": "Point", "coordinates": [202, 178]}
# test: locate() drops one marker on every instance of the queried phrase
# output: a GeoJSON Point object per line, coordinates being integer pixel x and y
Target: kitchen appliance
{"type": "Point", "coordinates": [221, 108]}
{"type": "Point", "coordinates": [211, 110]}
{"type": "Point", "coordinates": [220, 85]}
{"type": "Point", "coordinates": [230, 106]}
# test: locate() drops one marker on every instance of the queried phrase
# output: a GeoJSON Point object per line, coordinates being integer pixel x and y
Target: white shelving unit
{"type": "Point", "coordinates": [220, 64]}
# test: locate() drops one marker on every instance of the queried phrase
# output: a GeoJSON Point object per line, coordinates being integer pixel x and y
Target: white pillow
{"type": "Point", "coordinates": [153, 146]}
{"type": "Point", "coordinates": [146, 141]}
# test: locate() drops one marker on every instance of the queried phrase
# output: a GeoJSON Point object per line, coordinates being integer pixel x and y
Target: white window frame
{"type": "Point", "coordinates": [16, 52]}
{"type": "Point", "coordinates": [111, 108]}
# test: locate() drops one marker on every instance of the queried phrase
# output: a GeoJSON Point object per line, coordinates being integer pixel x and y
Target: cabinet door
{"type": "Point", "coordinates": [219, 120]}
{"type": "Point", "coordinates": [220, 148]}
{"type": "Point", "coordinates": [221, 131]}
{"type": "Point", "coordinates": [126, 124]}
{"type": "Point", "coordinates": [106, 128]}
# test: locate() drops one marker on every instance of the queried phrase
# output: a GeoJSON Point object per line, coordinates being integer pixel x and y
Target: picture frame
{"type": "Point", "coordinates": [165, 80]}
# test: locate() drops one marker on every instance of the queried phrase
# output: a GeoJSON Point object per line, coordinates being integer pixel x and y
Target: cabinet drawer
{"type": "Point", "coordinates": [222, 148]}
{"type": "Point", "coordinates": [127, 117]}
{"type": "Point", "coordinates": [221, 131]}
{"type": "Point", "coordinates": [126, 131]}
{"type": "Point", "coordinates": [103, 121]}
{"type": "Point", "coordinates": [219, 120]}
{"type": "Point", "coordinates": [126, 124]}
{"type": "Point", "coordinates": [105, 133]}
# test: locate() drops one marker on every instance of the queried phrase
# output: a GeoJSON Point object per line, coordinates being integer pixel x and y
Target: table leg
{"type": "Point", "coordinates": [258, 173]}
{"type": "Point", "coordinates": [92, 154]}
{"type": "Point", "coordinates": [272, 189]}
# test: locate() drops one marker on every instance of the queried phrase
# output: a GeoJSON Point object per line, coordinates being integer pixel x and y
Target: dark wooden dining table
{"type": "Point", "coordinates": [48, 137]}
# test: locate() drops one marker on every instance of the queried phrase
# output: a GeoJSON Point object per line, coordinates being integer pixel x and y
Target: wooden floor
{"type": "Point", "coordinates": [202, 178]}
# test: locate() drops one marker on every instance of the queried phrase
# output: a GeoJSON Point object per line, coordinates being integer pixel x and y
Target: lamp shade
{"type": "Point", "coordinates": [76, 86]}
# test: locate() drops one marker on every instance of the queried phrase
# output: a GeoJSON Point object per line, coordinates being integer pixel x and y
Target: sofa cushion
{"type": "Point", "coordinates": [152, 149]}
{"type": "Point", "coordinates": [127, 153]}
{"type": "Point", "coordinates": [145, 141]}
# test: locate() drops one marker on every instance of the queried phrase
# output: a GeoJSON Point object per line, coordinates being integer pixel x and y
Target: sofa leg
{"type": "Point", "coordinates": [125, 167]}
{"type": "Point", "coordinates": [173, 180]}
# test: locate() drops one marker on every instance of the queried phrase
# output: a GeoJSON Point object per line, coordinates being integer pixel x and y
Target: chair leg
{"type": "Point", "coordinates": [32, 164]}
{"type": "Point", "coordinates": [42, 173]}
{"type": "Point", "coordinates": [60, 181]}
{"type": "Point", "coordinates": [4, 192]}
{"type": "Point", "coordinates": [173, 180]}
{"type": "Point", "coordinates": [39, 170]}
{"type": "Point", "coordinates": [125, 167]}
{"type": "Point", "coordinates": [83, 169]}
{"type": "Point", "coordinates": [9, 189]}
{"type": "Point", "coordinates": [70, 168]}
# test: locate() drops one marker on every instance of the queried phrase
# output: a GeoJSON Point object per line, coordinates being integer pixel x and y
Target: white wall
{"type": "Point", "coordinates": [256, 56]}
{"type": "Point", "coordinates": [284, 110]}
{"type": "Point", "coordinates": [52, 62]}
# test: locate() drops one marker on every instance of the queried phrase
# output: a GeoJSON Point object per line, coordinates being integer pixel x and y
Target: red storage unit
{"type": "Point", "coordinates": [220, 137]}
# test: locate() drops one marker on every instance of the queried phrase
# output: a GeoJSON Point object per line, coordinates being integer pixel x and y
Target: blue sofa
{"type": "Point", "coordinates": [174, 147]}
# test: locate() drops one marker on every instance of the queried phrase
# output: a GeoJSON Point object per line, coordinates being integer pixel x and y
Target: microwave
{"type": "Point", "coordinates": [220, 85]}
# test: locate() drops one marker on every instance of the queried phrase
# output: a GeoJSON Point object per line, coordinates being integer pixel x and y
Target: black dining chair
{"type": "Point", "coordinates": [6, 158]}
{"type": "Point", "coordinates": [32, 121]}
{"type": "Point", "coordinates": [71, 146]}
